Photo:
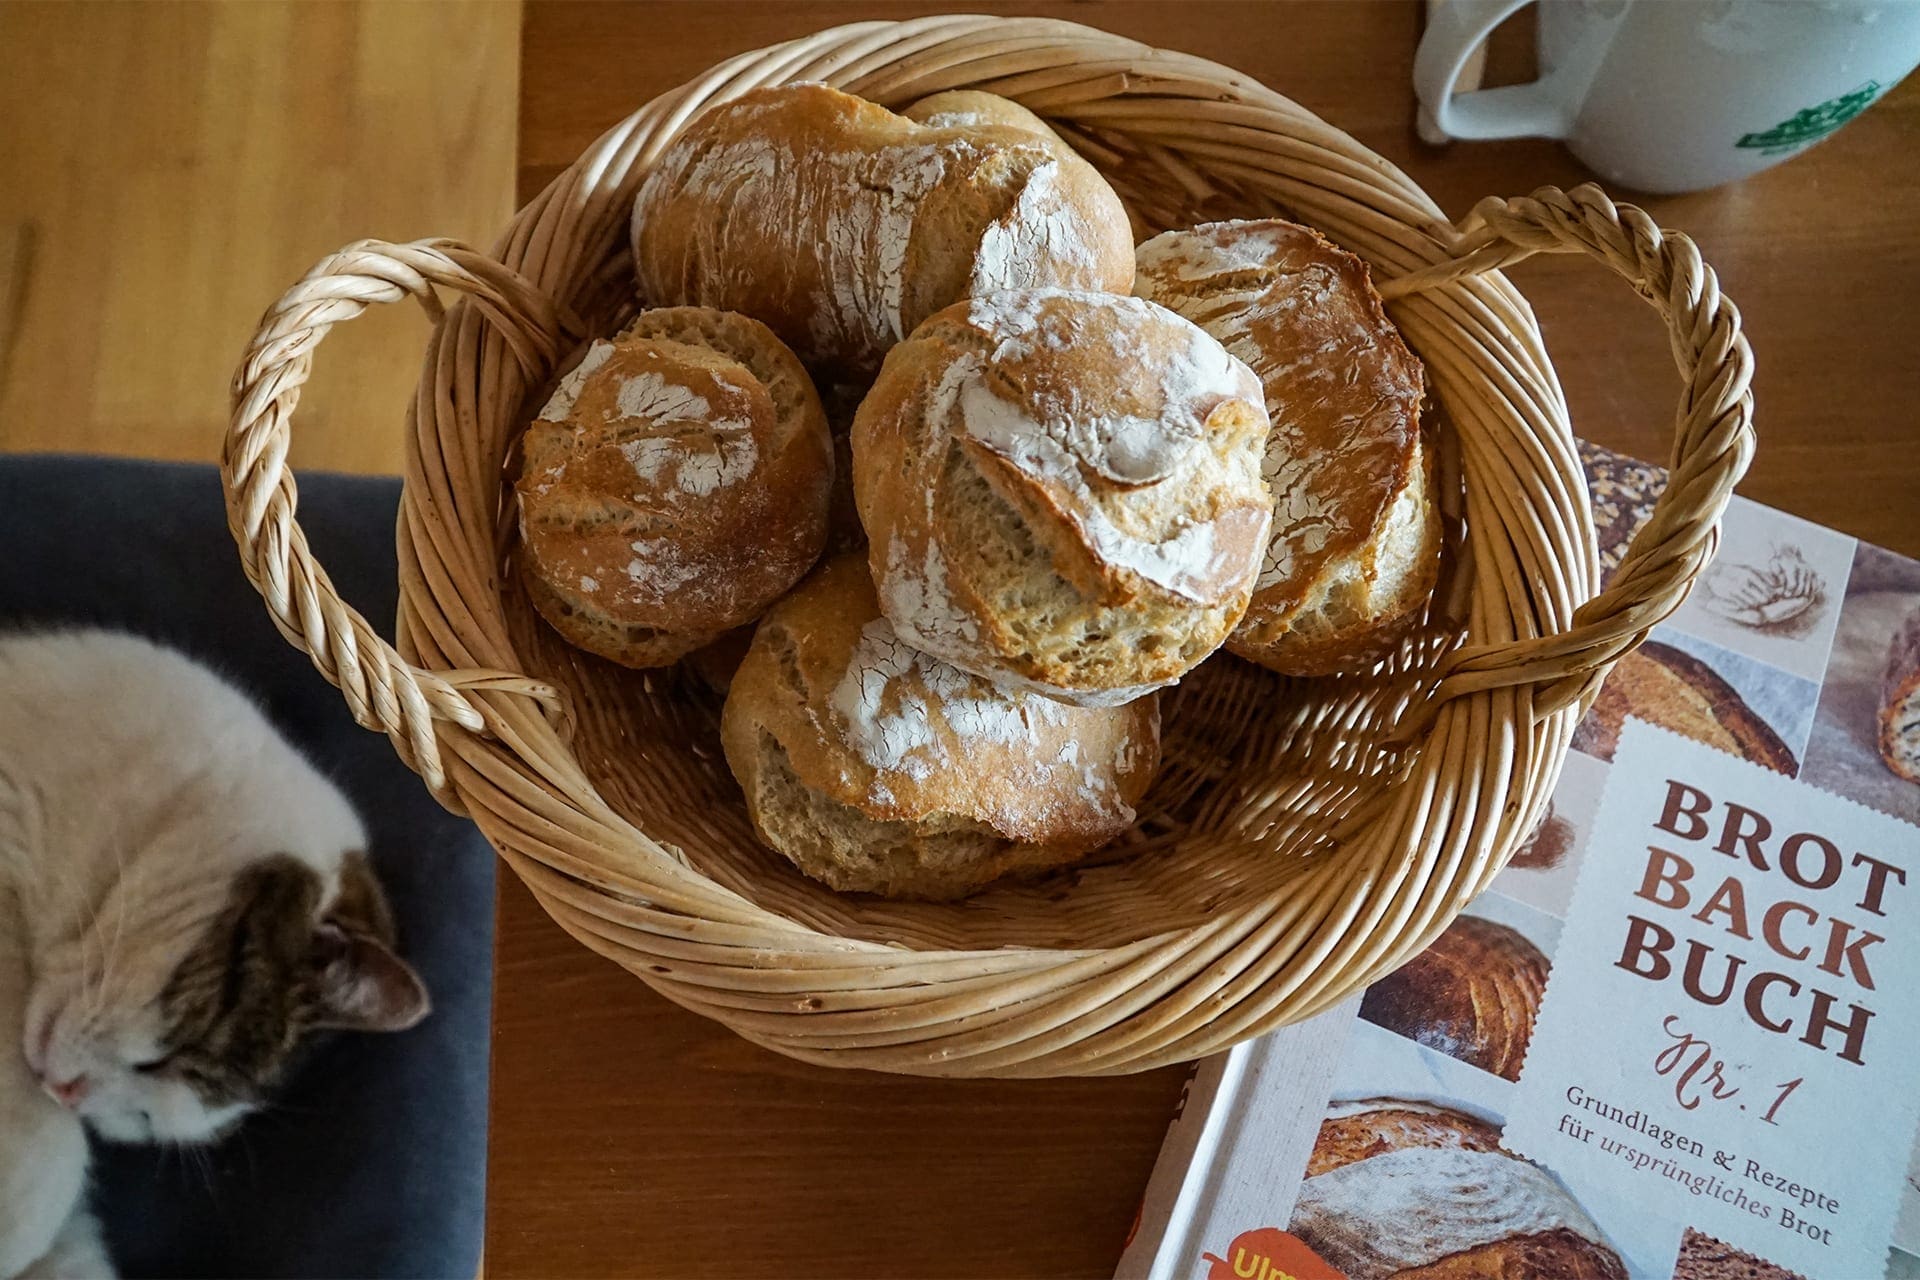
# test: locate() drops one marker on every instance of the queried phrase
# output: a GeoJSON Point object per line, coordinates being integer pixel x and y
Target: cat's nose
{"type": "Point", "coordinates": [69, 1093]}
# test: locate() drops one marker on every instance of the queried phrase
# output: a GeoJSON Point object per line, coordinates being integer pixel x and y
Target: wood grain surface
{"type": "Point", "coordinates": [631, 1138]}
{"type": "Point", "coordinates": [168, 170]}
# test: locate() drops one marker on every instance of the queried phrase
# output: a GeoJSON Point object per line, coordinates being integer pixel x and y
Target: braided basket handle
{"type": "Point", "coordinates": [383, 690]}
{"type": "Point", "coordinates": [1713, 429]}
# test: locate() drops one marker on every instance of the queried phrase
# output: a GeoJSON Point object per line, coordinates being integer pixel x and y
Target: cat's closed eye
{"type": "Point", "coordinates": [152, 1066]}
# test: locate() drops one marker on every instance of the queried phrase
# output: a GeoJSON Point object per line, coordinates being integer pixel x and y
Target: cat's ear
{"type": "Point", "coordinates": [363, 985]}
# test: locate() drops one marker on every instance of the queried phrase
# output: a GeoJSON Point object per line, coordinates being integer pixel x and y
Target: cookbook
{"type": "Point", "coordinates": [1679, 1037]}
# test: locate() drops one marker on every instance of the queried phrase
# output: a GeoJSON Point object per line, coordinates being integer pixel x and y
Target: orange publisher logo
{"type": "Point", "coordinates": [1269, 1254]}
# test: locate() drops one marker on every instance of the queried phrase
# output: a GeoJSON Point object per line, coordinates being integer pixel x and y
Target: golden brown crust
{"type": "Point", "coordinates": [1560, 1254]}
{"type": "Point", "coordinates": [843, 225]}
{"type": "Point", "coordinates": [1472, 995]}
{"type": "Point", "coordinates": [1346, 574]}
{"type": "Point", "coordinates": [889, 735]}
{"type": "Point", "coordinates": [1419, 1190]}
{"type": "Point", "coordinates": [673, 487]}
{"type": "Point", "coordinates": [630, 646]}
{"type": "Point", "coordinates": [1675, 690]}
{"type": "Point", "coordinates": [1393, 1124]}
{"type": "Point", "coordinates": [1063, 489]}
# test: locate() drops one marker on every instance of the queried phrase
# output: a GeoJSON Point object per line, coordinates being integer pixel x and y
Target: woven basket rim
{"type": "Point", "coordinates": [492, 741]}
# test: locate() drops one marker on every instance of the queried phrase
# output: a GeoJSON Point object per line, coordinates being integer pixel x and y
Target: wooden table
{"type": "Point", "coordinates": [632, 1138]}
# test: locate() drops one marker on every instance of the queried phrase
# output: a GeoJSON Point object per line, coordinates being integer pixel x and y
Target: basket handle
{"type": "Point", "coordinates": [1713, 429]}
{"type": "Point", "coordinates": [383, 690]}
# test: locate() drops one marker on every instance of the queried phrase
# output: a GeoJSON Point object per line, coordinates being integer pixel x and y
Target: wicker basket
{"type": "Point", "coordinates": [1303, 837]}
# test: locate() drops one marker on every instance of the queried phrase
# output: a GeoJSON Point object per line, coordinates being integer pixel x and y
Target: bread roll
{"type": "Point", "coordinates": [673, 487]}
{"type": "Point", "coordinates": [1419, 1192]}
{"type": "Point", "coordinates": [1062, 490]}
{"type": "Point", "coordinates": [874, 767]}
{"type": "Point", "coordinates": [1356, 531]}
{"type": "Point", "coordinates": [1473, 995]}
{"type": "Point", "coordinates": [843, 225]}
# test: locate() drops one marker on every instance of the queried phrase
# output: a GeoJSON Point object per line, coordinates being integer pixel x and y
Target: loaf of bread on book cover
{"type": "Point", "coordinates": [1472, 995]}
{"type": "Point", "coordinates": [1675, 690]}
{"type": "Point", "coordinates": [1704, 1258]}
{"type": "Point", "coordinates": [1404, 1190]}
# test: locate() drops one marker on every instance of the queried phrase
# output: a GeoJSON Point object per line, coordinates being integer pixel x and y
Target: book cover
{"type": "Point", "coordinates": [1676, 1039]}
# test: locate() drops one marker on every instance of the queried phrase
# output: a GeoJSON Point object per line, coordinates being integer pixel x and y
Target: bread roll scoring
{"type": "Point", "coordinates": [875, 767]}
{"type": "Point", "coordinates": [1063, 490]}
{"type": "Point", "coordinates": [843, 225]}
{"type": "Point", "coordinates": [1356, 530]}
{"type": "Point", "coordinates": [673, 487]}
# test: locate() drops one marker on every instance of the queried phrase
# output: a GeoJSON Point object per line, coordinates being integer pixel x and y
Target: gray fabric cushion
{"type": "Point", "coordinates": [373, 1162]}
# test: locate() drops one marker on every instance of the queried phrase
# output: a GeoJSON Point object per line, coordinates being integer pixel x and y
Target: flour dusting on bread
{"type": "Point", "coordinates": [1086, 468]}
{"type": "Point", "coordinates": [892, 695]}
{"type": "Point", "coordinates": [842, 225]}
{"type": "Point", "coordinates": [1354, 550]}
{"type": "Point", "coordinates": [675, 484]}
{"type": "Point", "coordinates": [1402, 1210]}
{"type": "Point", "coordinates": [563, 398]}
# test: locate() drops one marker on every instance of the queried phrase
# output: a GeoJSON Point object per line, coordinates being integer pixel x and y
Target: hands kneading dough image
{"type": "Point", "coordinates": [1399, 1189]}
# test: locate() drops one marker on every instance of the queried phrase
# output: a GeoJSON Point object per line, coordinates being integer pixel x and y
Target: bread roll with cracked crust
{"type": "Point", "coordinates": [876, 768]}
{"type": "Point", "coordinates": [843, 225]}
{"type": "Point", "coordinates": [1062, 490]}
{"type": "Point", "coordinates": [1356, 528]}
{"type": "Point", "coordinates": [674, 486]}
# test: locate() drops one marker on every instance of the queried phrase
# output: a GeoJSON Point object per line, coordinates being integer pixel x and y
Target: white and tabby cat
{"type": "Point", "coordinates": [182, 899]}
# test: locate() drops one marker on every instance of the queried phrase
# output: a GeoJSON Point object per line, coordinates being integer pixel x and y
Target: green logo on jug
{"type": "Point", "coordinates": [1815, 122]}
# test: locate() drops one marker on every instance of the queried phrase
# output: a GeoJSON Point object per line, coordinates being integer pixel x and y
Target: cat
{"type": "Point", "coordinates": [183, 900]}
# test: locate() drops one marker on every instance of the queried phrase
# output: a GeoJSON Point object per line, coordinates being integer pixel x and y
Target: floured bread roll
{"type": "Point", "coordinates": [874, 767]}
{"type": "Point", "coordinates": [673, 487]}
{"type": "Point", "coordinates": [843, 225]}
{"type": "Point", "coordinates": [1400, 1190]}
{"type": "Point", "coordinates": [1356, 530]}
{"type": "Point", "coordinates": [1063, 490]}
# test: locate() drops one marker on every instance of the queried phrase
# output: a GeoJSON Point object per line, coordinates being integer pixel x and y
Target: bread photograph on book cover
{"type": "Point", "coordinates": [1723, 699]}
{"type": "Point", "coordinates": [1474, 992]}
{"type": "Point", "coordinates": [1543, 869]}
{"type": "Point", "coordinates": [1414, 1189]}
{"type": "Point", "coordinates": [1773, 590]}
{"type": "Point", "coordinates": [1704, 1258]}
{"type": "Point", "coordinates": [1865, 743]}
{"type": "Point", "coordinates": [1623, 491]}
